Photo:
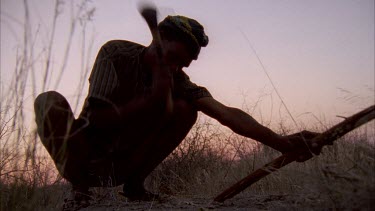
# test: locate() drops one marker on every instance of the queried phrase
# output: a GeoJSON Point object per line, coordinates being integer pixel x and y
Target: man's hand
{"type": "Point", "coordinates": [302, 141]}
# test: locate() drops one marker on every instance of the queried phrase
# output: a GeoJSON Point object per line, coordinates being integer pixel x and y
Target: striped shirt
{"type": "Point", "coordinates": [118, 77]}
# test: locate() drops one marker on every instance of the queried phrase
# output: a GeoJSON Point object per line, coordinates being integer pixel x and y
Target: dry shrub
{"type": "Point", "coordinates": [342, 177]}
{"type": "Point", "coordinates": [28, 178]}
{"type": "Point", "coordinates": [209, 160]}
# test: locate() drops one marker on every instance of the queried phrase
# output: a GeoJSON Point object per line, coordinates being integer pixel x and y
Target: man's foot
{"type": "Point", "coordinates": [138, 193]}
{"type": "Point", "coordinates": [77, 200]}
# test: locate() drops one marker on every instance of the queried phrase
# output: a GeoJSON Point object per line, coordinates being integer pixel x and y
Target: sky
{"type": "Point", "coordinates": [318, 54]}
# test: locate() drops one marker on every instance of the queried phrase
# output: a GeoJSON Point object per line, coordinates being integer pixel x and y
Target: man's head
{"type": "Point", "coordinates": [186, 35]}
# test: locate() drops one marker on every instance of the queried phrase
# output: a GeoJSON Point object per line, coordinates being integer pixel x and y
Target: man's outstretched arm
{"type": "Point", "coordinates": [242, 123]}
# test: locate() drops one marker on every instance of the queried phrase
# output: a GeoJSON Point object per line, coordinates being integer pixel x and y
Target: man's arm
{"type": "Point", "coordinates": [242, 123]}
{"type": "Point", "coordinates": [155, 105]}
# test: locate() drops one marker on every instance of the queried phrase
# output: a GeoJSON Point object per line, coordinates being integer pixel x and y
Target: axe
{"type": "Point", "coordinates": [150, 15]}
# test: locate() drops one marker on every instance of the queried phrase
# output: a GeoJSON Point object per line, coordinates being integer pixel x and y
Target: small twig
{"type": "Point", "coordinates": [341, 116]}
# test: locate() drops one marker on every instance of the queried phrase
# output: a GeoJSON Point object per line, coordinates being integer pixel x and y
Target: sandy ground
{"type": "Point", "coordinates": [269, 202]}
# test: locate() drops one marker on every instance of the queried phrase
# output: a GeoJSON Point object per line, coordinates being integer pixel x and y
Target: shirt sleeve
{"type": "Point", "coordinates": [188, 90]}
{"type": "Point", "coordinates": [103, 79]}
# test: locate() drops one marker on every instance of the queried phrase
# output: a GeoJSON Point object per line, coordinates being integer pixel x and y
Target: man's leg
{"type": "Point", "coordinates": [62, 136]}
{"type": "Point", "coordinates": [151, 153]}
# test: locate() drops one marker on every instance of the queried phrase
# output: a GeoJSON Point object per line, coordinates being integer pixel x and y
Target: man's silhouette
{"type": "Point", "coordinates": [140, 106]}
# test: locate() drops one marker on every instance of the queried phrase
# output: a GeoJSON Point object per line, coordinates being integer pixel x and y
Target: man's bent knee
{"type": "Point", "coordinates": [55, 119]}
{"type": "Point", "coordinates": [53, 114]}
{"type": "Point", "coordinates": [51, 100]}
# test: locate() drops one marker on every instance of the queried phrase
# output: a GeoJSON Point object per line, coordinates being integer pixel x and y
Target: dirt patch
{"type": "Point", "coordinates": [250, 202]}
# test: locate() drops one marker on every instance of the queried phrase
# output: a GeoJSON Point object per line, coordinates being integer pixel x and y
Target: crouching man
{"type": "Point", "coordinates": [140, 106]}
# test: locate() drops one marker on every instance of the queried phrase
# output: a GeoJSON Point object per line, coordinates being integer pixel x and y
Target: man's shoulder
{"type": "Point", "coordinates": [123, 47]}
{"type": "Point", "coordinates": [180, 75]}
{"type": "Point", "coordinates": [123, 44]}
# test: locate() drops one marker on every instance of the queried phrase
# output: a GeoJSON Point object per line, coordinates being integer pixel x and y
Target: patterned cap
{"type": "Point", "coordinates": [190, 27]}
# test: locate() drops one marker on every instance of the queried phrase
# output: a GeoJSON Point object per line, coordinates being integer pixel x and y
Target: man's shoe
{"type": "Point", "coordinates": [138, 194]}
{"type": "Point", "coordinates": [76, 201]}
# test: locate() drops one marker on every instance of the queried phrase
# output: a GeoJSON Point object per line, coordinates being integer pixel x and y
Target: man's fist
{"type": "Point", "coordinates": [302, 141]}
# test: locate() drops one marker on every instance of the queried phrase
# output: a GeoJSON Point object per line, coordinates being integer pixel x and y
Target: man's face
{"type": "Point", "coordinates": [177, 54]}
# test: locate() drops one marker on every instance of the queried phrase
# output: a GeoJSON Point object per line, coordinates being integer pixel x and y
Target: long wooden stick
{"type": "Point", "coordinates": [325, 138]}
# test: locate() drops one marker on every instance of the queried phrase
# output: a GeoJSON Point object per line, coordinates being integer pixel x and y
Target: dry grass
{"type": "Point", "coordinates": [341, 178]}
{"type": "Point", "coordinates": [341, 172]}
{"type": "Point", "coordinates": [208, 161]}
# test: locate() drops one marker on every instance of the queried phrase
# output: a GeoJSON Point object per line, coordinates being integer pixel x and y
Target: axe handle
{"type": "Point", "coordinates": [324, 138]}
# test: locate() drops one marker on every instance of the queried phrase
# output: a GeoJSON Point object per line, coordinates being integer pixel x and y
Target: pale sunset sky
{"type": "Point", "coordinates": [318, 53]}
